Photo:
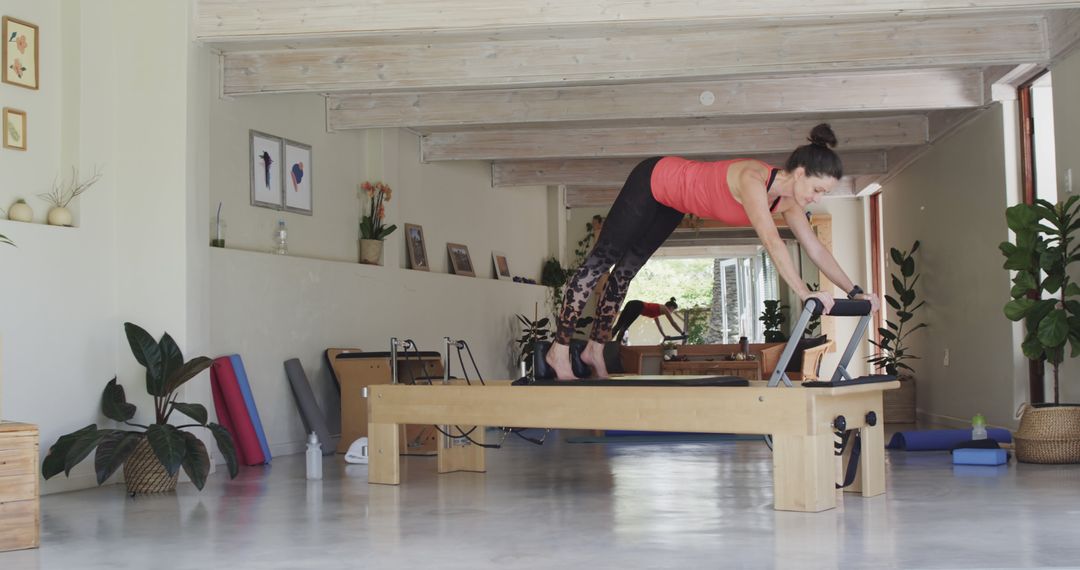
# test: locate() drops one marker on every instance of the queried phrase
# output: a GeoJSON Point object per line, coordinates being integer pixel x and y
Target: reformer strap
{"type": "Point", "coordinates": [850, 438]}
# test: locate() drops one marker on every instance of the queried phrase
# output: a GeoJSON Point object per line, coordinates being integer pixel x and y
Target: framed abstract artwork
{"type": "Point", "coordinates": [298, 177]}
{"type": "Point", "coordinates": [265, 155]}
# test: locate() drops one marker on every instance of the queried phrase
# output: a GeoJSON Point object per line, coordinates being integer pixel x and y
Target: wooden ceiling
{"type": "Point", "coordinates": [575, 92]}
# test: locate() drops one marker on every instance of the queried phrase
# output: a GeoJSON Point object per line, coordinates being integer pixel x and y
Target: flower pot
{"type": "Point", "coordinates": [1048, 434]}
{"type": "Point", "coordinates": [371, 251]}
{"type": "Point", "coordinates": [20, 212]}
{"type": "Point", "coordinates": [899, 404]}
{"type": "Point", "coordinates": [144, 474]}
{"type": "Point", "coordinates": [59, 216]}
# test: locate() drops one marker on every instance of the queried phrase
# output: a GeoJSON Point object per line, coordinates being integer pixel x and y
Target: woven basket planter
{"type": "Point", "coordinates": [1048, 434]}
{"type": "Point", "coordinates": [899, 404]}
{"type": "Point", "coordinates": [143, 473]}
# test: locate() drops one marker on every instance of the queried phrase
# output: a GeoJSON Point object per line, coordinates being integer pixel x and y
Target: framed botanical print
{"type": "Point", "coordinates": [14, 129]}
{"type": "Point", "coordinates": [20, 53]}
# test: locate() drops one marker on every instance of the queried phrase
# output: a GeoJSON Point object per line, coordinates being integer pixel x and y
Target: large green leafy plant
{"type": "Point", "coordinates": [174, 448]}
{"type": "Point", "coordinates": [1045, 234]}
{"type": "Point", "coordinates": [773, 318]}
{"type": "Point", "coordinates": [892, 346]}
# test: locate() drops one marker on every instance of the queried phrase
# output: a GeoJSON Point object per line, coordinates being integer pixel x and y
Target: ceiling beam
{"type": "Point", "coordinates": [928, 89]}
{"type": "Point", "coordinates": [612, 172]}
{"type": "Point", "coordinates": [698, 139]}
{"type": "Point", "coordinates": [604, 196]}
{"type": "Point", "coordinates": [225, 20]}
{"type": "Point", "coordinates": [687, 52]}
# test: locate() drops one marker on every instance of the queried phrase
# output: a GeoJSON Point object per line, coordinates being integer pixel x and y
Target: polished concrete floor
{"type": "Point", "coordinates": [563, 505]}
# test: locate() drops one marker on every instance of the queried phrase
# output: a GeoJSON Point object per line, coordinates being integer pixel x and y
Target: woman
{"type": "Point", "coordinates": [634, 309]}
{"type": "Point", "coordinates": [661, 190]}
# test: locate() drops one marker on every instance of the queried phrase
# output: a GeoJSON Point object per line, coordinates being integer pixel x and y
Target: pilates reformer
{"type": "Point", "coordinates": [801, 421]}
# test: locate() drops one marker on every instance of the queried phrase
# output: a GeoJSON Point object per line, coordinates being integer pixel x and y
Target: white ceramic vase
{"type": "Point", "coordinates": [59, 216]}
{"type": "Point", "coordinates": [20, 212]}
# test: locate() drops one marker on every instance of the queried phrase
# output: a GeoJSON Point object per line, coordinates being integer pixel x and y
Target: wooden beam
{"type": "Point", "coordinates": [863, 91]}
{"type": "Point", "coordinates": [1064, 32]}
{"type": "Point", "coordinates": [706, 138]}
{"type": "Point", "coordinates": [612, 172]}
{"type": "Point", "coordinates": [224, 20]}
{"type": "Point", "coordinates": [686, 52]}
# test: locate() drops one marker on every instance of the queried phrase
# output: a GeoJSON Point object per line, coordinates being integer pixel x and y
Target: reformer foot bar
{"type": "Point", "coordinates": [802, 421]}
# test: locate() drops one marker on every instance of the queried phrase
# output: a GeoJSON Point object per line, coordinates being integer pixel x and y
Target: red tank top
{"type": "Point", "coordinates": [651, 310]}
{"type": "Point", "coordinates": [700, 188]}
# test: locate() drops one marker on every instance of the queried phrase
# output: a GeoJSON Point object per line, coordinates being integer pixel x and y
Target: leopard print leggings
{"type": "Point", "coordinates": [635, 227]}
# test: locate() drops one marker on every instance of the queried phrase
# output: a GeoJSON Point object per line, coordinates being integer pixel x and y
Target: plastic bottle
{"type": "Point", "coordinates": [314, 457]}
{"type": "Point", "coordinates": [978, 427]}
{"type": "Point", "coordinates": [281, 245]}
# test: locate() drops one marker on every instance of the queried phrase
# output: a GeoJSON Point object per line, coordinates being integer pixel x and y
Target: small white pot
{"type": "Point", "coordinates": [59, 217]}
{"type": "Point", "coordinates": [20, 212]}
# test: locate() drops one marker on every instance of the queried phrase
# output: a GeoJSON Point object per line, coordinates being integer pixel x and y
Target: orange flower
{"type": "Point", "coordinates": [21, 43]}
{"type": "Point", "coordinates": [387, 193]}
{"type": "Point", "coordinates": [382, 212]}
{"type": "Point", "coordinates": [17, 67]}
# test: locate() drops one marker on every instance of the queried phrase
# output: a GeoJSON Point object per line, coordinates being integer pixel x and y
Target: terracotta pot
{"type": "Point", "coordinates": [59, 216]}
{"type": "Point", "coordinates": [371, 251]}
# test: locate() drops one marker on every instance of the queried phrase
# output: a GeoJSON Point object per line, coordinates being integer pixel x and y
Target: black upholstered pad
{"type": "Point", "coordinates": [650, 381]}
{"type": "Point", "coordinates": [874, 379]}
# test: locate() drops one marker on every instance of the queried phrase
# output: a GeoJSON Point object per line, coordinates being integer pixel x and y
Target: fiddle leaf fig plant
{"type": "Point", "coordinates": [174, 448]}
{"type": "Point", "coordinates": [1045, 236]}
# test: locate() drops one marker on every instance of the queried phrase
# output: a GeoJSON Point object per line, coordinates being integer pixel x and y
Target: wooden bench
{"type": "Point", "coordinates": [798, 419]}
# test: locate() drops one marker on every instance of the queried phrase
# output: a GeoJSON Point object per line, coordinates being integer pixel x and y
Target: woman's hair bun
{"type": "Point", "coordinates": [823, 135]}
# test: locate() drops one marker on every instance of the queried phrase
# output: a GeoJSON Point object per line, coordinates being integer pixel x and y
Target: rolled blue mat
{"type": "Point", "coordinates": [941, 439]}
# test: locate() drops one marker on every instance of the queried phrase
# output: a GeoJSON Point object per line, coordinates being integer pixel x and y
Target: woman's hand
{"type": "Point", "coordinates": [874, 302]}
{"type": "Point", "coordinates": [825, 298]}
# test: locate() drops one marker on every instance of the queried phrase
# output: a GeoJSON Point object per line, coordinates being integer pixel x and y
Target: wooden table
{"type": "Point", "coordinates": [799, 420]}
{"type": "Point", "coordinates": [749, 369]}
{"type": "Point", "coordinates": [20, 514]}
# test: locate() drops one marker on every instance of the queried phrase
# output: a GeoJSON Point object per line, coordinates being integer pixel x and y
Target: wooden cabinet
{"type": "Point", "coordinates": [20, 515]}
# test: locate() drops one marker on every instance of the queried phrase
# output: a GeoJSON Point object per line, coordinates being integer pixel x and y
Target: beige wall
{"type": "Point", "coordinates": [953, 201]}
{"type": "Point", "coordinates": [1066, 78]}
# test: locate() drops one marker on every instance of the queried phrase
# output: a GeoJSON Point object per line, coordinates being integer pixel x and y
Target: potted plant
{"type": "Point", "coordinates": [892, 346]}
{"type": "Point", "coordinates": [152, 454]}
{"type": "Point", "coordinates": [533, 332]}
{"type": "Point", "coordinates": [372, 229]}
{"type": "Point", "coordinates": [63, 193]}
{"type": "Point", "coordinates": [553, 275]}
{"type": "Point", "coordinates": [1045, 237]}
{"type": "Point", "coordinates": [773, 317]}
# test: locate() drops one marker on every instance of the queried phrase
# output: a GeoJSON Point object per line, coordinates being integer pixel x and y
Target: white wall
{"type": "Point", "coordinates": [957, 211]}
{"type": "Point", "coordinates": [1066, 77]}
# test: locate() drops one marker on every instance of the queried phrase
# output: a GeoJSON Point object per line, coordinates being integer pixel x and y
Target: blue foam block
{"type": "Point", "coordinates": [979, 457]}
{"type": "Point", "coordinates": [249, 401]}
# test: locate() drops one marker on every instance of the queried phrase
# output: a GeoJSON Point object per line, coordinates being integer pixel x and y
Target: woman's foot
{"type": "Point", "coordinates": [593, 355]}
{"type": "Point", "coordinates": [558, 358]}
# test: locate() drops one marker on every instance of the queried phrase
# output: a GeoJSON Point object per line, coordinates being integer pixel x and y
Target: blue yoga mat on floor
{"type": "Point", "coordinates": [941, 439]}
{"type": "Point", "coordinates": [249, 400]}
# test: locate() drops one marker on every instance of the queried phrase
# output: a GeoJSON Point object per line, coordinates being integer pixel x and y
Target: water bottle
{"type": "Point", "coordinates": [314, 457]}
{"type": "Point", "coordinates": [280, 239]}
{"type": "Point", "coordinates": [978, 427]}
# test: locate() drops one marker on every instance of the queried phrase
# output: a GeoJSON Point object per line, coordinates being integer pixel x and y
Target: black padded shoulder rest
{"type": "Point", "coordinates": [860, 380]}
{"type": "Point", "coordinates": [401, 355]}
{"type": "Point", "coordinates": [712, 381]}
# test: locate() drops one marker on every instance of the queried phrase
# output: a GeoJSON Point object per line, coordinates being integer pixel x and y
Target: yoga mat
{"type": "Point", "coordinates": [310, 414]}
{"type": "Point", "coordinates": [941, 439]}
{"type": "Point", "coordinates": [229, 403]}
{"type": "Point", "coordinates": [655, 437]}
{"type": "Point", "coordinates": [249, 401]}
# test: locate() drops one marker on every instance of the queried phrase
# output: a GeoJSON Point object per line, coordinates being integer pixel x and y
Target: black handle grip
{"type": "Point", "coordinates": [842, 307]}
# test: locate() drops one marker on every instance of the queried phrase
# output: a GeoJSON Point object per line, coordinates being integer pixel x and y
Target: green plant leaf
{"type": "Point", "coordinates": [1039, 311]}
{"type": "Point", "coordinates": [196, 412]}
{"type": "Point", "coordinates": [113, 451]}
{"type": "Point", "coordinates": [82, 448]}
{"type": "Point", "coordinates": [897, 257]}
{"type": "Point", "coordinates": [387, 231]}
{"type": "Point", "coordinates": [54, 460]}
{"type": "Point", "coordinates": [189, 370]}
{"type": "Point", "coordinates": [168, 446]}
{"type": "Point", "coordinates": [1054, 329]}
{"type": "Point", "coordinates": [148, 353]}
{"type": "Point", "coordinates": [114, 404]}
{"type": "Point", "coordinates": [904, 316]}
{"type": "Point", "coordinates": [898, 285]}
{"type": "Point", "coordinates": [914, 247]}
{"type": "Point", "coordinates": [887, 334]}
{"type": "Point", "coordinates": [1020, 216]}
{"type": "Point", "coordinates": [171, 356]}
{"type": "Point", "coordinates": [1073, 307]}
{"type": "Point", "coordinates": [226, 447]}
{"type": "Point", "coordinates": [907, 297]}
{"type": "Point", "coordinates": [908, 268]}
{"type": "Point", "coordinates": [892, 302]}
{"type": "Point", "coordinates": [1018, 308]}
{"type": "Point", "coordinates": [1053, 282]}
{"type": "Point", "coordinates": [196, 461]}
{"type": "Point", "coordinates": [1072, 289]}
{"type": "Point", "coordinates": [1032, 348]}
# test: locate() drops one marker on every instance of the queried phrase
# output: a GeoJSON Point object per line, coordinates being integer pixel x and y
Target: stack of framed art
{"type": "Point", "coordinates": [281, 173]}
{"type": "Point", "coordinates": [460, 260]}
{"type": "Point", "coordinates": [20, 55]}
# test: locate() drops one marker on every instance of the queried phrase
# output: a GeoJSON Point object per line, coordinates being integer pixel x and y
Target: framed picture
{"type": "Point", "coordinates": [297, 177]}
{"type": "Point", "coordinates": [460, 260]}
{"type": "Point", "coordinates": [265, 154]}
{"type": "Point", "coordinates": [20, 53]}
{"type": "Point", "coordinates": [502, 267]}
{"type": "Point", "coordinates": [414, 242]}
{"type": "Point", "coordinates": [14, 129]}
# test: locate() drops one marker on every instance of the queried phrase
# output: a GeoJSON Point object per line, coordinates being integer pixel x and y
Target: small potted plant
{"type": "Point", "coordinates": [893, 350]}
{"type": "Point", "coordinates": [152, 454]}
{"type": "Point", "coordinates": [1045, 244]}
{"type": "Point", "coordinates": [63, 192]}
{"type": "Point", "coordinates": [372, 229]}
{"type": "Point", "coordinates": [773, 318]}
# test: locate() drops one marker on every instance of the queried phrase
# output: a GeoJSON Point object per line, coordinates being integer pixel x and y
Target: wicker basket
{"type": "Point", "coordinates": [143, 473]}
{"type": "Point", "coordinates": [1048, 434]}
{"type": "Point", "coordinates": [899, 405]}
